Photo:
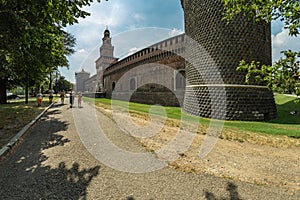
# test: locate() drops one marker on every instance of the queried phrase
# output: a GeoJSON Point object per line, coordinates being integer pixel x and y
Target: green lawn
{"type": "Point", "coordinates": [285, 124]}
{"type": "Point", "coordinates": [15, 115]}
{"type": "Point", "coordinates": [18, 111]}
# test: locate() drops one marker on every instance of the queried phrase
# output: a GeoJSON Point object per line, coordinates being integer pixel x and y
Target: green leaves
{"type": "Point", "coordinates": [282, 77]}
{"type": "Point", "coordinates": [33, 39]}
{"type": "Point", "coordinates": [287, 11]}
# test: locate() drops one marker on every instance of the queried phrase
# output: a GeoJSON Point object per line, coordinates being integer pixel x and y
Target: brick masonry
{"type": "Point", "coordinates": [150, 76]}
{"type": "Point", "coordinates": [214, 87]}
{"type": "Point", "coordinates": [207, 56]}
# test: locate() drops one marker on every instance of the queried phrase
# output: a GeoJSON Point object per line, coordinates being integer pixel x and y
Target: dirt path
{"type": "Point", "coordinates": [53, 163]}
{"type": "Point", "coordinates": [262, 160]}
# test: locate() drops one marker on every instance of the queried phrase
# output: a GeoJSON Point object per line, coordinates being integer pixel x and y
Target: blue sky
{"type": "Point", "coordinates": [135, 24]}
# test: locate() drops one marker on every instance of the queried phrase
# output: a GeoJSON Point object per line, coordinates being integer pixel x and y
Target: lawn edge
{"type": "Point", "coordinates": [6, 148]}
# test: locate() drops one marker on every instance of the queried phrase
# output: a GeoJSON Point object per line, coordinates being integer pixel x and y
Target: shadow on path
{"type": "Point", "coordinates": [24, 176]}
{"type": "Point", "coordinates": [231, 188]}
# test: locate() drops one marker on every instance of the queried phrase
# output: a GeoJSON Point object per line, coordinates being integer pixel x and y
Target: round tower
{"type": "Point", "coordinates": [81, 77]}
{"type": "Point", "coordinates": [212, 78]}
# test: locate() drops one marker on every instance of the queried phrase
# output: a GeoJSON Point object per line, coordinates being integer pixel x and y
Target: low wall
{"type": "Point", "coordinates": [95, 94]}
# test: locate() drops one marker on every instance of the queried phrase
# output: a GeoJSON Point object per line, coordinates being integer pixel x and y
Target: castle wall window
{"type": "Point", "coordinates": [104, 83]}
{"type": "Point", "coordinates": [180, 80]}
{"type": "Point", "coordinates": [113, 85]}
{"type": "Point", "coordinates": [132, 84]}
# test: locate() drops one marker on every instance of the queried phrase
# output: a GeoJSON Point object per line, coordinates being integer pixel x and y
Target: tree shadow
{"type": "Point", "coordinates": [24, 175]}
{"type": "Point", "coordinates": [284, 115]}
{"type": "Point", "coordinates": [231, 188]}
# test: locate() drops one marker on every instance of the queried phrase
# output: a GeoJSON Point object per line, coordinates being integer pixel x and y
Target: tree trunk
{"type": "Point", "coordinates": [26, 89]}
{"type": "Point", "coordinates": [3, 97]}
{"type": "Point", "coordinates": [50, 84]}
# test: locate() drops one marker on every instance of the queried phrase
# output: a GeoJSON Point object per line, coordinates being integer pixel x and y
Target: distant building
{"type": "Point", "coordinates": [90, 84]}
{"type": "Point", "coordinates": [159, 74]}
{"type": "Point", "coordinates": [95, 83]}
{"type": "Point", "coordinates": [153, 75]}
{"type": "Point", "coordinates": [81, 77]}
{"type": "Point", "coordinates": [106, 58]}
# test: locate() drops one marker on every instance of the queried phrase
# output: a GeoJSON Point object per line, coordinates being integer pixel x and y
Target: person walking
{"type": "Point", "coordinates": [71, 98]}
{"type": "Point", "coordinates": [39, 98]}
{"type": "Point", "coordinates": [50, 96]}
{"type": "Point", "coordinates": [62, 96]}
{"type": "Point", "coordinates": [79, 99]}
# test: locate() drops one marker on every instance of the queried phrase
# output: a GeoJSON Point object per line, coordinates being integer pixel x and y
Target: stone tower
{"type": "Point", "coordinates": [81, 77]}
{"type": "Point", "coordinates": [214, 88]}
{"type": "Point", "coordinates": [106, 58]}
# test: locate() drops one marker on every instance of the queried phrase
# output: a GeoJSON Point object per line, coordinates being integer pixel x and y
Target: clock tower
{"type": "Point", "coordinates": [106, 58]}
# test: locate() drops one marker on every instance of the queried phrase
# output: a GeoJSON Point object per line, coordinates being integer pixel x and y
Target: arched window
{"type": "Point", "coordinates": [104, 83]}
{"type": "Point", "coordinates": [113, 86]}
{"type": "Point", "coordinates": [180, 80]}
{"type": "Point", "coordinates": [132, 84]}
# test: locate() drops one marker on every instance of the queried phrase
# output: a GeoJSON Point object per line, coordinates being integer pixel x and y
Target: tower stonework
{"type": "Point", "coordinates": [212, 78]}
{"type": "Point", "coordinates": [106, 58]}
{"type": "Point", "coordinates": [81, 77]}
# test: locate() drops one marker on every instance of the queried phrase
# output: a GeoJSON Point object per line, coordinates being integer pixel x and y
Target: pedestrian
{"type": "Point", "coordinates": [50, 96]}
{"type": "Point", "coordinates": [39, 98]}
{"type": "Point", "coordinates": [71, 98]}
{"type": "Point", "coordinates": [79, 99]}
{"type": "Point", "coordinates": [62, 96]}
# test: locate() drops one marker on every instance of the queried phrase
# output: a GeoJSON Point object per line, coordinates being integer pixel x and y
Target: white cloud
{"type": "Point", "coordinates": [175, 32]}
{"type": "Point", "coordinates": [138, 17]}
{"type": "Point", "coordinates": [132, 50]}
{"type": "Point", "coordinates": [134, 40]}
{"type": "Point", "coordinates": [81, 51]}
{"type": "Point", "coordinates": [110, 14]}
{"type": "Point", "coordinates": [283, 41]}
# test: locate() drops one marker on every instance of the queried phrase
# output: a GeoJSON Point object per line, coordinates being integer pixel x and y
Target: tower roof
{"type": "Point", "coordinates": [82, 72]}
{"type": "Point", "coordinates": [106, 33]}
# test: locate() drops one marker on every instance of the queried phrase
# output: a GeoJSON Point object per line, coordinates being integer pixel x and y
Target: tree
{"type": "Point", "coordinates": [62, 84]}
{"type": "Point", "coordinates": [33, 40]}
{"type": "Point", "coordinates": [287, 11]}
{"type": "Point", "coordinates": [283, 76]}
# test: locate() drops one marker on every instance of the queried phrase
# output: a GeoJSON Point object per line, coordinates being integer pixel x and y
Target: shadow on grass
{"type": "Point", "coordinates": [25, 176]}
{"type": "Point", "coordinates": [284, 115]}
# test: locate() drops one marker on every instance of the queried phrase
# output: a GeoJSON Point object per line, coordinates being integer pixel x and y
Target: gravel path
{"type": "Point", "coordinates": [53, 163]}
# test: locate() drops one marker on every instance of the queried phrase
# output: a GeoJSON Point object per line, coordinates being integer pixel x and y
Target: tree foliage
{"type": "Point", "coordinates": [62, 84]}
{"type": "Point", "coordinates": [287, 11]}
{"type": "Point", "coordinates": [33, 39]}
{"type": "Point", "coordinates": [283, 76]}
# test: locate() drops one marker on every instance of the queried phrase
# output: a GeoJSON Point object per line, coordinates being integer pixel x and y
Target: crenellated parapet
{"type": "Point", "coordinates": [149, 65]}
{"type": "Point", "coordinates": [159, 52]}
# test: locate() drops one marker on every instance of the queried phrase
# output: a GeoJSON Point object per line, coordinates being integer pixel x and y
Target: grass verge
{"type": "Point", "coordinates": [15, 115]}
{"type": "Point", "coordinates": [285, 125]}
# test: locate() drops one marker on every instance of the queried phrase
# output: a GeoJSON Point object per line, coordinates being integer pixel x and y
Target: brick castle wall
{"type": "Point", "coordinates": [214, 87]}
{"type": "Point", "coordinates": [153, 71]}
